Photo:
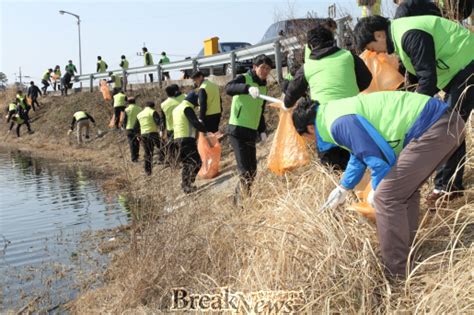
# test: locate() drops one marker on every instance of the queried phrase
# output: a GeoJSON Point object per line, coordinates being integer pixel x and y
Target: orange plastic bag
{"type": "Point", "coordinates": [29, 101]}
{"type": "Point", "coordinates": [104, 88]}
{"type": "Point", "coordinates": [384, 69]}
{"type": "Point", "coordinates": [362, 191]}
{"type": "Point", "coordinates": [288, 149]}
{"type": "Point", "coordinates": [210, 151]}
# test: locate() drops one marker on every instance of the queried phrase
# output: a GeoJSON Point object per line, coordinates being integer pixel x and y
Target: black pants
{"type": "Point", "coordinates": [56, 85]}
{"type": "Point", "coordinates": [45, 85]}
{"type": "Point", "coordinates": [455, 165]}
{"type": "Point", "coordinates": [212, 122]}
{"type": "Point", "coordinates": [190, 161]}
{"type": "Point", "coordinates": [134, 144]}
{"type": "Point", "coordinates": [26, 118]}
{"type": "Point", "coordinates": [335, 157]}
{"type": "Point", "coordinates": [246, 157]}
{"type": "Point", "coordinates": [34, 100]}
{"type": "Point", "coordinates": [151, 77]}
{"type": "Point", "coordinates": [150, 141]}
{"type": "Point", "coordinates": [117, 113]}
{"type": "Point", "coordinates": [166, 75]}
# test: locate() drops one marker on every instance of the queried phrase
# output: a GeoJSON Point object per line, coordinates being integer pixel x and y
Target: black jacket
{"type": "Point", "coordinates": [236, 87]}
{"type": "Point", "coordinates": [33, 92]}
{"type": "Point", "coordinates": [419, 47]}
{"type": "Point", "coordinates": [416, 8]}
{"type": "Point", "coordinates": [298, 87]}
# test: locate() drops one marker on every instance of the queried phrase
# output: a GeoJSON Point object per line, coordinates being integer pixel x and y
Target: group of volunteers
{"type": "Point", "coordinates": [402, 137]}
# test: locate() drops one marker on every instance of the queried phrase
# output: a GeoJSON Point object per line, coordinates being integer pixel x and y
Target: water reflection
{"type": "Point", "coordinates": [45, 207]}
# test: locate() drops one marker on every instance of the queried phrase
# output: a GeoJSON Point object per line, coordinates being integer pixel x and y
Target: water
{"type": "Point", "coordinates": [47, 214]}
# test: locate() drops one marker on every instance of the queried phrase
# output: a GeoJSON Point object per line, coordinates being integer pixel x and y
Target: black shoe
{"type": "Point", "coordinates": [189, 189]}
{"type": "Point", "coordinates": [87, 137]}
{"type": "Point", "coordinates": [31, 132]}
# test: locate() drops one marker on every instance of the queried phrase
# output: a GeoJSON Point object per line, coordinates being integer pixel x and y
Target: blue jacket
{"type": "Point", "coordinates": [369, 149]}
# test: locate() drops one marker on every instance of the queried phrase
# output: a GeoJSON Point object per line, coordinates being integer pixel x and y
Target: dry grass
{"type": "Point", "coordinates": [277, 241]}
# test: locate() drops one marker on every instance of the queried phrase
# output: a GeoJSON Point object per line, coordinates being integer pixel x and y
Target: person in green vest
{"type": "Point", "coordinates": [210, 103]}
{"type": "Point", "coordinates": [83, 120]}
{"type": "Point", "coordinates": [71, 68]}
{"type": "Point", "coordinates": [101, 65]}
{"type": "Point", "coordinates": [401, 137]}
{"type": "Point", "coordinates": [175, 97]}
{"type": "Point", "coordinates": [23, 109]}
{"type": "Point", "coordinates": [124, 63]}
{"type": "Point", "coordinates": [14, 117]}
{"type": "Point", "coordinates": [129, 123]}
{"type": "Point", "coordinates": [148, 61]}
{"type": "Point", "coordinates": [290, 76]}
{"type": "Point", "coordinates": [440, 53]}
{"type": "Point", "coordinates": [57, 77]}
{"type": "Point", "coordinates": [119, 107]}
{"type": "Point", "coordinates": [164, 60]}
{"type": "Point", "coordinates": [117, 80]}
{"type": "Point", "coordinates": [46, 80]}
{"type": "Point", "coordinates": [330, 73]}
{"type": "Point", "coordinates": [247, 123]}
{"type": "Point", "coordinates": [185, 124]}
{"type": "Point", "coordinates": [148, 124]}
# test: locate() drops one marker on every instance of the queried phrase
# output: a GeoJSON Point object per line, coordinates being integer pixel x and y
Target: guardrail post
{"type": "Point", "coordinates": [160, 72]}
{"type": "Point", "coordinates": [195, 65]}
{"type": "Point", "coordinates": [340, 32]}
{"type": "Point", "coordinates": [232, 64]}
{"type": "Point", "coordinates": [278, 61]}
{"type": "Point", "coordinates": [91, 83]}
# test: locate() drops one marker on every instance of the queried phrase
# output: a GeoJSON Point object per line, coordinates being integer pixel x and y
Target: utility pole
{"type": "Point", "coordinates": [21, 81]}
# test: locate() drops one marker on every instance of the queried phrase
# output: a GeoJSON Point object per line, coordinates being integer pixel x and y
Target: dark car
{"type": "Point", "coordinates": [225, 47]}
{"type": "Point", "coordinates": [290, 28]}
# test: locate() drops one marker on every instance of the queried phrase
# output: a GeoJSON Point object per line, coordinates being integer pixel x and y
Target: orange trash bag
{"type": "Point", "coordinates": [384, 69]}
{"type": "Point", "coordinates": [104, 88]}
{"type": "Point", "coordinates": [210, 151]}
{"type": "Point", "coordinates": [362, 191]}
{"type": "Point", "coordinates": [288, 149]}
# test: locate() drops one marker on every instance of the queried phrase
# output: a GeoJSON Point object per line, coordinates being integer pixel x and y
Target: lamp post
{"type": "Point", "coordinates": [79, 33]}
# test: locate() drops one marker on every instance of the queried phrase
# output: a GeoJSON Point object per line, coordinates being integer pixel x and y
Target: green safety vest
{"type": "Point", "coordinates": [147, 123]}
{"type": "Point", "coordinates": [102, 66]}
{"type": "Point", "coordinates": [58, 72]}
{"type": "Point", "coordinates": [454, 45]}
{"type": "Point", "coordinates": [46, 76]}
{"type": "Point", "coordinates": [168, 106]}
{"type": "Point", "coordinates": [70, 68]}
{"type": "Point", "coordinates": [332, 77]}
{"type": "Point", "coordinates": [181, 124]}
{"type": "Point", "coordinates": [213, 97]}
{"type": "Point", "coordinates": [165, 60]}
{"type": "Point", "coordinates": [392, 114]}
{"type": "Point", "coordinates": [119, 100]}
{"type": "Point", "coordinates": [80, 115]}
{"type": "Point", "coordinates": [125, 64]}
{"type": "Point", "coordinates": [151, 59]}
{"type": "Point", "coordinates": [11, 106]}
{"type": "Point", "coordinates": [289, 77]}
{"type": "Point", "coordinates": [117, 81]}
{"type": "Point", "coordinates": [132, 111]}
{"type": "Point", "coordinates": [245, 110]}
{"type": "Point", "coordinates": [21, 100]}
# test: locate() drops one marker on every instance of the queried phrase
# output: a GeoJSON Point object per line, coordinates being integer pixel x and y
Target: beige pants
{"type": "Point", "coordinates": [397, 198]}
{"type": "Point", "coordinates": [81, 125]}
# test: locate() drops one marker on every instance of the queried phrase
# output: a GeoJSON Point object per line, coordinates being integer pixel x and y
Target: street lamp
{"type": "Point", "coordinates": [62, 12]}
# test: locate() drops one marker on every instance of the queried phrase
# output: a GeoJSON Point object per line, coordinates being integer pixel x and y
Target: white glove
{"type": "Point", "coordinates": [336, 197]}
{"type": "Point", "coordinates": [69, 132]}
{"type": "Point", "coordinates": [263, 137]}
{"type": "Point", "coordinates": [370, 198]}
{"type": "Point", "coordinates": [254, 91]}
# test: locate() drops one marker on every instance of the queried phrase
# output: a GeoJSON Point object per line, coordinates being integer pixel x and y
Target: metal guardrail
{"type": "Point", "coordinates": [276, 49]}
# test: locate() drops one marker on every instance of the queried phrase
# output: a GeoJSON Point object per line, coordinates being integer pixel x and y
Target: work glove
{"type": "Point", "coordinates": [263, 137]}
{"type": "Point", "coordinates": [370, 198]}
{"type": "Point", "coordinates": [336, 197]}
{"type": "Point", "coordinates": [69, 132]}
{"type": "Point", "coordinates": [254, 92]}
